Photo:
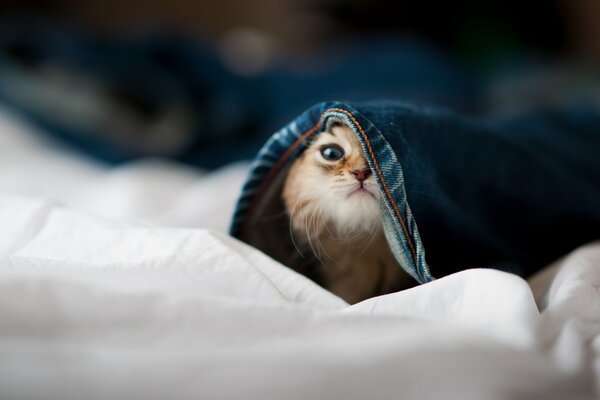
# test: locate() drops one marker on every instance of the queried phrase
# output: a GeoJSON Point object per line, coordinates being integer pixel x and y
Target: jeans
{"type": "Point", "coordinates": [458, 192]}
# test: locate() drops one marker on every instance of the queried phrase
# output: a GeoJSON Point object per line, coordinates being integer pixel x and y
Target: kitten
{"type": "Point", "coordinates": [332, 201]}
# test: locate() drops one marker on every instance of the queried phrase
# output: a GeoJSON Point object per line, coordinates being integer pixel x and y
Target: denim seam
{"type": "Point", "coordinates": [385, 187]}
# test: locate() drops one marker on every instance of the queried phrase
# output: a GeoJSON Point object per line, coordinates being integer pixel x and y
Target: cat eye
{"type": "Point", "coordinates": [332, 152]}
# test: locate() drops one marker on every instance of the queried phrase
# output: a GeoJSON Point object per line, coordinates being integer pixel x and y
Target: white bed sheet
{"type": "Point", "coordinates": [121, 284]}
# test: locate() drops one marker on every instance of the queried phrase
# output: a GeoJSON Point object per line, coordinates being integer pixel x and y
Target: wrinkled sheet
{"type": "Point", "coordinates": [121, 284]}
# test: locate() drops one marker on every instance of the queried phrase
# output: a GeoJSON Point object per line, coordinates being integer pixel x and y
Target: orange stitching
{"type": "Point", "coordinates": [287, 153]}
{"type": "Point", "coordinates": [362, 132]}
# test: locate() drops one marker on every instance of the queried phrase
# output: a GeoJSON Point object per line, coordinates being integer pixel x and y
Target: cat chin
{"type": "Point", "coordinates": [361, 194]}
{"type": "Point", "coordinates": [357, 213]}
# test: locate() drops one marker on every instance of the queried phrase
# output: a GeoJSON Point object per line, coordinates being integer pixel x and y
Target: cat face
{"type": "Point", "coordinates": [330, 187]}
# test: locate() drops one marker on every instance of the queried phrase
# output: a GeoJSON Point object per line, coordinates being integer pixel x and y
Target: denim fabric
{"type": "Point", "coordinates": [459, 192]}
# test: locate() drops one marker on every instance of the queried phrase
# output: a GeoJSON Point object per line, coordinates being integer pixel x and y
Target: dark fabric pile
{"type": "Point", "coordinates": [457, 192]}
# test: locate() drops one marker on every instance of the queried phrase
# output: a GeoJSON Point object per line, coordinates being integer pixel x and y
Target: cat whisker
{"type": "Point", "coordinates": [372, 235]}
{"type": "Point", "coordinates": [307, 239]}
{"type": "Point", "coordinates": [273, 217]}
{"type": "Point", "coordinates": [318, 216]}
{"type": "Point", "coordinates": [320, 211]}
{"type": "Point", "coordinates": [358, 235]}
{"type": "Point", "coordinates": [326, 226]}
{"type": "Point", "coordinates": [292, 229]}
{"type": "Point", "coordinates": [309, 219]}
{"type": "Point", "coordinates": [316, 219]}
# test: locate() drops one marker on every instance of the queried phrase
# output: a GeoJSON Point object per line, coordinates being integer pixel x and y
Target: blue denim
{"type": "Point", "coordinates": [458, 192]}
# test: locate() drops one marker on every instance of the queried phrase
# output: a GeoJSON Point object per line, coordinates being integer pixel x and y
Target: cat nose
{"type": "Point", "coordinates": [362, 174]}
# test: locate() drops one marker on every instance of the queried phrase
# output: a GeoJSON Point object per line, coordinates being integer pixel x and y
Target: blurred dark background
{"type": "Point", "coordinates": [186, 79]}
{"type": "Point", "coordinates": [472, 29]}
